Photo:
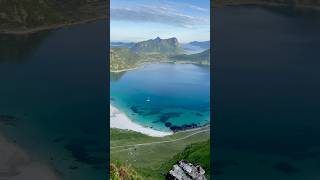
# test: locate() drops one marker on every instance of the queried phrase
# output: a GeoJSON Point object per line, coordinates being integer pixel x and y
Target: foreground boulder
{"type": "Point", "coordinates": [186, 171]}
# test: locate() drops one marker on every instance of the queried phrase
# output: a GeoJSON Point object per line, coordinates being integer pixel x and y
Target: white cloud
{"type": "Point", "coordinates": [156, 14]}
{"type": "Point", "coordinates": [185, 5]}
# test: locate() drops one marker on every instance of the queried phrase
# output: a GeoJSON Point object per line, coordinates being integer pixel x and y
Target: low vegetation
{"type": "Point", "coordinates": [147, 156]}
{"type": "Point", "coordinates": [199, 58]}
{"type": "Point", "coordinates": [123, 58]}
{"type": "Point", "coordinates": [197, 154]}
{"type": "Point", "coordinates": [120, 171]}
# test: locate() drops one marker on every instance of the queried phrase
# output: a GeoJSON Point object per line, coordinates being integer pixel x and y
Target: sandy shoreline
{"type": "Point", "coordinates": [16, 164]}
{"type": "Point", "coordinates": [120, 121]}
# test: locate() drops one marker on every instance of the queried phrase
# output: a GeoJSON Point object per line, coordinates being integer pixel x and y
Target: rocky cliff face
{"type": "Point", "coordinates": [157, 45]}
{"type": "Point", "coordinates": [186, 171]}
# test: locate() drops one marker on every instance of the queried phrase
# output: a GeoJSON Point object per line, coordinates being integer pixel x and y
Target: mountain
{"type": "Point", "coordinates": [121, 45]}
{"type": "Point", "coordinates": [198, 58]}
{"type": "Point", "coordinates": [200, 44]}
{"type": "Point", "coordinates": [153, 51]}
{"type": "Point", "coordinates": [18, 16]}
{"type": "Point", "coordinates": [158, 46]}
{"type": "Point", "coordinates": [122, 59]}
{"type": "Point", "coordinates": [195, 46]}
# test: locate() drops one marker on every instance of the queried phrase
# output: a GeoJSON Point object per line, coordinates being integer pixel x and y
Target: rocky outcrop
{"type": "Point", "coordinates": [158, 46]}
{"type": "Point", "coordinates": [186, 171]}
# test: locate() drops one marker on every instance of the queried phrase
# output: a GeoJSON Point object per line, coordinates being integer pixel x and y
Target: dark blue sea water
{"type": "Point", "coordinates": [178, 94]}
{"type": "Point", "coordinates": [52, 83]}
{"type": "Point", "coordinates": [266, 90]}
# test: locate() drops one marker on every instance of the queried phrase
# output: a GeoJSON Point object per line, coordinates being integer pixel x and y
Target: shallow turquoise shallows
{"type": "Point", "coordinates": [166, 97]}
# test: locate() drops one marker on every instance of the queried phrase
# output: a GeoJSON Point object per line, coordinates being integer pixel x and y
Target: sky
{"type": "Point", "coordinates": [139, 20]}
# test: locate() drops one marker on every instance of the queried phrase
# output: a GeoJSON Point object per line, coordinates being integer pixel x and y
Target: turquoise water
{"type": "Point", "coordinates": [178, 93]}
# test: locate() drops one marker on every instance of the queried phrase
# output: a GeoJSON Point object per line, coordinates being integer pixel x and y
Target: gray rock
{"type": "Point", "coordinates": [186, 171]}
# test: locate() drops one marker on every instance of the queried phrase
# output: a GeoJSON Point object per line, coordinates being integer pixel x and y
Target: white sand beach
{"type": "Point", "coordinates": [15, 164]}
{"type": "Point", "coordinates": [121, 121]}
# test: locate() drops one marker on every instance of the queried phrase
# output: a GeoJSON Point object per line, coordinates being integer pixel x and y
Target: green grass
{"type": "Point", "coordinates": [120, 171]}
{"type": "Point", "coordinates": [123, 58]}
{"type": "Point", "coordinates": [148, 159]}
{"type": "Point", "coordinates": [197, 154]}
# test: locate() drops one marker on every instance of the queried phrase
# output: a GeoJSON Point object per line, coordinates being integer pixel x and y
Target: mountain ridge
{"type": "Point", "coordinates": [158, 45]}
{"type": "Point", "coordinates": [124, 58]}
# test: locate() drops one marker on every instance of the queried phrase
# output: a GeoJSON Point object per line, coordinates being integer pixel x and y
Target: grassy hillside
{"type": "Point", "coordinates": [120, 171]}
{"type": "Point", "coordinates": [28, 15]}
{"type": "Point", "coordinates": [148, 159]}
{"type": "Point", "coordinates": [197, 154]}
{"type": "Point", "coordinates": [199, 58]}
{"type": "Point", "coordinates": [123, 58]}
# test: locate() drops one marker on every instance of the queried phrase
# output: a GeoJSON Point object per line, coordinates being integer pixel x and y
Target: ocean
{"type": "Point", "coordinates": [266, 94]}
{"type": "Point", "coordinates": [52, 88]}
{"type": "Point", "coordinates": [165, 97]}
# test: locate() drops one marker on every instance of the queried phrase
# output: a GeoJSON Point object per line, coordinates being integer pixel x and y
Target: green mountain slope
{"type": "Point", "coordinates": [199, 58]}
{"type": "Point", "coordinates": [197, 153]}
{"type": "Point", "coordinates": [153, 51]}
{"type": "Point", "coordinates": [154, 159]}
{"type": "Point", "coordinates": [28, 15]}
{"type": "Point", "coordinates": [158, 46]}
{"type": "Point", "coordinates": [122, 172]}
{"type": "Point", "coordinates": [123, 58]}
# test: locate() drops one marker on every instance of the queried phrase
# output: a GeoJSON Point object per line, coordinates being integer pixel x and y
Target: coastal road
{"type": "Point", "coordinates": [157, 142]}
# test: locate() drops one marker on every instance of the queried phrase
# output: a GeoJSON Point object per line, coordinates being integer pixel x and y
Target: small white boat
{"type": "Point", "coordinates": [148, 100]}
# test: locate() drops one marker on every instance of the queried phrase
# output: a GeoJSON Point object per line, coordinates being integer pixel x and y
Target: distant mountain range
{"type": "Point", "coordinates": [124, 56]}
{"type": "Point", "coordinates": [195, 46]}
{"type": "Point", "coordinates": [198, 58]}
{"type": "Point", "coordinates": [122, 44]}
{"type": "Point", "coordinates": [21, 16]}
{"type": "Point", "coordinates": [201, 44]}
